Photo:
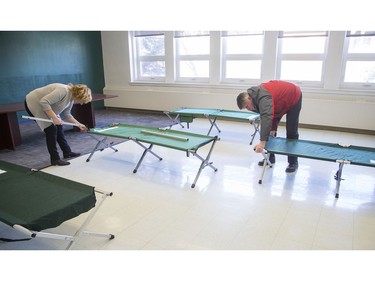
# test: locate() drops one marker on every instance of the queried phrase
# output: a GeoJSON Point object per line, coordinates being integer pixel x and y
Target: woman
{"type": "Point", "coordinates": [51, 102]}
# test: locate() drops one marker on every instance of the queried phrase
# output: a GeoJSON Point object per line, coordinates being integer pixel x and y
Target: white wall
{"type": "Point", "coordinates": [327, 107]}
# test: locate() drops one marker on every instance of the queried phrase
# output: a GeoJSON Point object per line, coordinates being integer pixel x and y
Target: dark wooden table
{"type": "Point", "coordinates": [10, 135]}
{"type": "Point", "coordinates": [84, 113]}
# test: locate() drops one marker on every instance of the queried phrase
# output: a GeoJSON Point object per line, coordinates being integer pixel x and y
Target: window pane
{"type": "Point", "coordinates": [243, 69]}
{"type": "Point", "coordinates": [154, 68]}
{"type": "Point", "coordinates": [194, 69]}
{"type": "Point", "coordinates": [364, 44]}
{"type": "Point", "coordinates": [303, 45]}
{"type": "Point", "coordinates": [241, 32]}
{"type": "Point", "coordinates": [193, 45]}
{"type": "Point", "coordinates": [151, 45]}
{"type": "Point", "coordinates": [244, 44]}
{"type": "Point", "coordinates": [360, 71]}
{"type": "Point", "coordinates": [187, 33]}
{"type": "Point", "coordinates": [301, 70]}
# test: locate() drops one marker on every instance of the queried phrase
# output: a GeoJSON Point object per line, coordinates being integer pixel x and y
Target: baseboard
{"type": "Point", "coordinates": [337, 129]}
{"type": "Point", "coordinates": [145, 111]}
{"type": "Point", "coordinates": [306, 126]}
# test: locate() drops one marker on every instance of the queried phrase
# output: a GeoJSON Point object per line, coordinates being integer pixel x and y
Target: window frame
{"type": "Point", "coordinates": [137, 59]}
{"type": "Point", "coordinates": [355, 57]}
{"type": "Point", "coordinates": [321, 57]}
{"type": "Point", "coordinates": [178, 58]}
{"type": "Point", "coordinates": [225, 57]}
{"type": "Point", "coordinates": [332, 66]}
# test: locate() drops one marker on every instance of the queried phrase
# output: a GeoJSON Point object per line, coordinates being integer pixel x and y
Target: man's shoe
{"type": "Point", "coordinates": [71, 155]}
{"type": "Point", "coordinates": [292, 167]}
{"type": "Point", "coordinates": [59, 163]}
{"type": "Point", "coordinates": [272, 159]}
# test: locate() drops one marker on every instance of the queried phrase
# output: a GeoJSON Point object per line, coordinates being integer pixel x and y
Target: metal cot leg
{"type": "Point", "coordinates": [265, 163]}
{"type": "Point", "coordinates": [338, 175]}
{"type": "Point", "coordinates": [204, 162]}
{"type": "Point", "coordinates": [146, 149]}
{"type": "Point", "coordinates": [175, 120]}
{"type": "Point", "coordinates": [96, 148]}
{"type": "Point", "coordinates": [213, 123]}
{"type": "Point", "coordinates": [81, 231]}
{"type": "Point", "coordinates": [256, 129]}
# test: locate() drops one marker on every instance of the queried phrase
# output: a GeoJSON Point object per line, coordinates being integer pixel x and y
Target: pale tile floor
{"type": "Point", "coordinates": [156, 209]}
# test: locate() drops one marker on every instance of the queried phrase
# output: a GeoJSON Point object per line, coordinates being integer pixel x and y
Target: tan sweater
{"type": "Point", "coordinates": [56, 97]}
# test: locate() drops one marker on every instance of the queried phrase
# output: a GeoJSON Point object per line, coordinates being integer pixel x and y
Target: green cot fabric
{"type": "Point", "coordinates": [194, 111]}
{"type": "Point", "coordinates": [363, 156]}
{"type": "Point", "coordinates": [186, 118]}
{"type": "Point", "coordinates": [37, 200]}
{"type": "Point", "coordinates": [187, 113]}
{"type": "Point", "coordinates": [237, 115]}
{"type": "Point", "coordinates": [127, 131]}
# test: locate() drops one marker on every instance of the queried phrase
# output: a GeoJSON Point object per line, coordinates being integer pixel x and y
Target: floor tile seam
{"type": "Point", "coordinates": [278, 232]}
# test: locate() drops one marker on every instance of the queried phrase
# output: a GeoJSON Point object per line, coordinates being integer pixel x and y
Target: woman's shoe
{"type": "Point", "coordinates": [71, 155]}
{"type": "Point", "coordinates": [59, 163]}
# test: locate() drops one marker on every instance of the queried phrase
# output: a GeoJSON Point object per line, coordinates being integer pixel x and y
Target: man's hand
{"type": "Point", "coordinates": [260, 147]}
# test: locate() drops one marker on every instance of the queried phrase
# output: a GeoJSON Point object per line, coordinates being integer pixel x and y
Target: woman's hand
{"type": "Point", "coordinates": [82, 127]}
{"type": "Point", "coordinates": [57, 121]}
{"type": "Point", "coordinates": [52, 115]}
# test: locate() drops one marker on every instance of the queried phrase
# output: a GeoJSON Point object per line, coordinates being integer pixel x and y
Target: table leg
{"type": "Point", "coordinates": [10, 131]}
{"type": "Point", "coordinates": [84, 113]}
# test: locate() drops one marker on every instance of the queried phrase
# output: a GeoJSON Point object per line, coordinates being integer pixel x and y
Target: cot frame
{"type": "Point", "coordinates": [338, 176]}
{"type": "Point", "coordinates": [205, 161]}
{"type": "Point", "coordinates": [82, 199]}
{"type": "Point", "coordinates": [72, 239]}
{"type": "Point", "coordinates": [212, 116]}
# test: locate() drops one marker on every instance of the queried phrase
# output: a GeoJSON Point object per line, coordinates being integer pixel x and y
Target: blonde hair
{"type": "Point", "coordinates": [81, 93]}
{"type": "Point", "coordinates": [241, 99]}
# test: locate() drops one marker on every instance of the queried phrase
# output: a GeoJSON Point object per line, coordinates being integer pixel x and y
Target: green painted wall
{"type": "Point", "coordinates": [31, 59]}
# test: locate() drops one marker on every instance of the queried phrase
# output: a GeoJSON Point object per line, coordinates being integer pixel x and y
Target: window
{"type": "Point", "coordinates": [301, 56]}
{"type": "Point", "coordinates": [192, 58]}
{"type": "Point", "coordinates": [317, 59]}
{"type": "Point", "coordinates": [148, 55]}
{"type": "Point", "coordinates": [241, 55]}
{"type": "Point", "coordinates": [359, 59]}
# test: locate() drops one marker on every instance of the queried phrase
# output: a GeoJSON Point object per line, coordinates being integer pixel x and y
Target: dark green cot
{"type": "Point", "coordinates": [341, 154]}
{"type": "Point", "coordinates": [187, 114]}
{"type": "Point", "coordinates": [141, 135]}
{"type": "Point", "coordinates": [32, 201]}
